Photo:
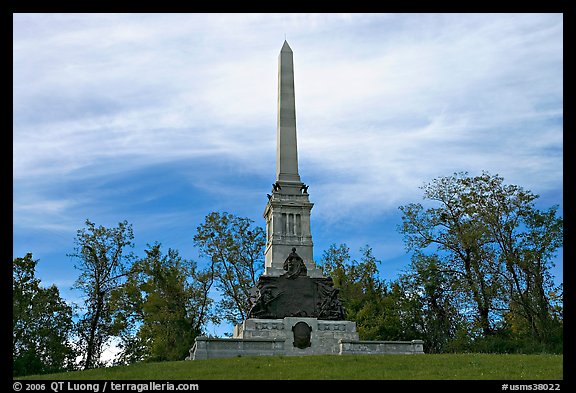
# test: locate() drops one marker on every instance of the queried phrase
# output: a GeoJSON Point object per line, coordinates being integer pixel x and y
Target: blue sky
{"type": "Point", "coordinates": [160, 119]}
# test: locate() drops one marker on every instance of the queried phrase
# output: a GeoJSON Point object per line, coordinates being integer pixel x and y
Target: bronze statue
{"type": "Point", "coordinates": [295, 294]}
{"type": "Point", "coordinates": [294, 265]}
{"type": "Point", "coordinates": [330, 306]}
{"type": "Point", "coordinates": [260, 308]}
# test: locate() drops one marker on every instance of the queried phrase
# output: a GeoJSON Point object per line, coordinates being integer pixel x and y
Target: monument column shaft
{"type": "Point", "coordinates": [286, 151]}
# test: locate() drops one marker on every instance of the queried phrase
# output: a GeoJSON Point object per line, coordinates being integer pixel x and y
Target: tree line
{"type": "Point", "coordinates": [478, 280]}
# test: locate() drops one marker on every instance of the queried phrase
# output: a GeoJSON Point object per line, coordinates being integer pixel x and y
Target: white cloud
{"type": "Point", "coordinates": [385, 102]}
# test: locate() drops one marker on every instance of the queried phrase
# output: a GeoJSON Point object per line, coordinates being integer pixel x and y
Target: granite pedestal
{"type": "Point", "coordinates": [269, 337]}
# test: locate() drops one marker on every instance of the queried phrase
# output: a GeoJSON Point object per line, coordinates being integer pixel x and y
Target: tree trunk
{"type": "Point", "coordinates": [479, 298]}
{"type": "Point", "coordinates": [91, 350]}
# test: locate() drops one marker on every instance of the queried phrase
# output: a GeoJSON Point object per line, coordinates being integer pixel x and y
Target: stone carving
{"type": "Point", "coordinates": [302, 333]}
{"type": "Point", "coordinates": [330, 306]}
{"type": "Point", "coordinates": [269, 326]}
{"type": "Point", "coordinates": [294, 265]}
{"type": "Point", "coordinates": [331, 327]}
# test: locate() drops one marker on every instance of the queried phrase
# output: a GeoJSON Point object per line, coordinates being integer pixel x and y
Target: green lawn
{"type": "Point", "coordinates": [361, 367]}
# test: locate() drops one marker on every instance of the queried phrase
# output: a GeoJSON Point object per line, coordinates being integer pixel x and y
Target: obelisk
{"type": "Point", "coordinates": [286, 141]}
{"type": "Point", "coordinates": [287, 213]}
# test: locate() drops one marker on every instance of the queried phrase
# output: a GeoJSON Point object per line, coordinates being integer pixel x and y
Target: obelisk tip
{"type": "Point", "coordinates": [286, 47]}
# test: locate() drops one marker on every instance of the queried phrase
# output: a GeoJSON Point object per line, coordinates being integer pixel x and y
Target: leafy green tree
{"type": "Point", "coordinates": [428, 285]}
{"type": "Point", "coordinates": [381, 311]}
{"type": "Point", "coordinates": [42, 324]}
{"type": "Point", "coordinates": [103, 258]}
{"type": "Point", "coordinates": [526, 239]}
{"type": "Point", "coordinates": [493, 249]}
{"type": "Point", "coordinates": [162, 307]}
{"type": "Point", "coordinates": [449, 232]}
{"type": "Point", "coordinates": [234, 248]}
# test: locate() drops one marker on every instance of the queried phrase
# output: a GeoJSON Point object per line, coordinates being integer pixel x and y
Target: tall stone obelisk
{"type": "Point", "coordinates": [286, 141]}
{"type": "Point", "coordinates": [287, 213]}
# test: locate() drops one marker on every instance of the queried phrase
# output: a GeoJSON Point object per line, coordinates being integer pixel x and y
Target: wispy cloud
{"type": "Point", "coordinates": [384, 103]}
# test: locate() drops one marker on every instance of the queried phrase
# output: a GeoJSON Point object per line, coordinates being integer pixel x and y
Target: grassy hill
{"type": "Point", "coordinates": [359, 367]}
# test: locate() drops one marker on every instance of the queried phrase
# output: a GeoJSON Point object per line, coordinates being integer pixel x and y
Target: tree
{"type": "Point", "coordinates": [103, 259]}
{"type": "Point", "coordinates": [41, 324]}
{"type": "Point", "coordinates": [381, 311]}
{"type": "Point", "coordinates": [162, 307]}
{"type": "Point", "coordinates": [462, 242]}
{"type": "Point", "coordinates": [235, 249]}
{"type": "Point", "coordinates": [428, 285]}
{"type": "Point", "coordinates": [527, 239]}
{"type": "Point", "coordinates": [491, 245]}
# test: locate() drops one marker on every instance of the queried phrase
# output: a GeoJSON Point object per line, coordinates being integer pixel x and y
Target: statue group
{"type": "Point", "coordinates": [295, 294]}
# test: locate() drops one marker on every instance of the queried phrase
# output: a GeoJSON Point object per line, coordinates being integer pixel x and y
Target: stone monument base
{"type": "Point", "coordinates": [296, 336]}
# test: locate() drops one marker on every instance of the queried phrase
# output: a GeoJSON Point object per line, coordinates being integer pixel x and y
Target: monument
{"type": "Point", "coordinates": [296, 310]}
